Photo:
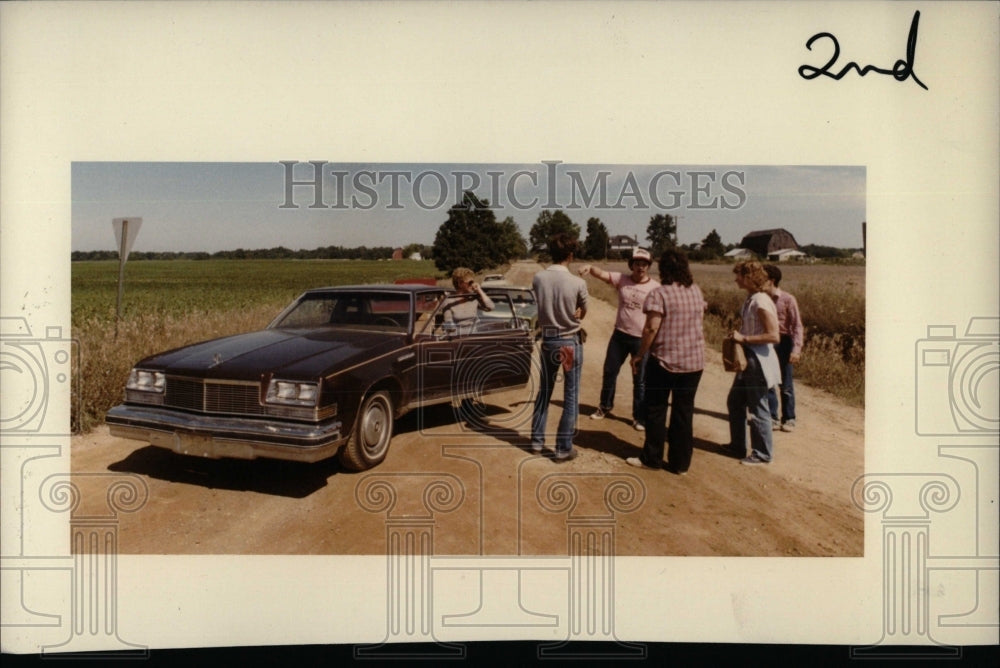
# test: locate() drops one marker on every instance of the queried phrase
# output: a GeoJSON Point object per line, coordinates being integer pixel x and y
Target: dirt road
{"type": "Point", "coordinates": [484, 492]}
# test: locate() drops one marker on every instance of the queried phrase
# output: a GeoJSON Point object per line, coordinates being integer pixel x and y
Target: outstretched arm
{"type": "Point", "coordinates": [596, 272]}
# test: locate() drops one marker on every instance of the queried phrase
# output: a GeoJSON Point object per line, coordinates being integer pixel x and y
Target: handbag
{"type": "Point", "coordinates": [733, 356]}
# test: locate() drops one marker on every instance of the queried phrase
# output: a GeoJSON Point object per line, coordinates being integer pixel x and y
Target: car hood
{"type": "Point", "coordinates": [291, 353]}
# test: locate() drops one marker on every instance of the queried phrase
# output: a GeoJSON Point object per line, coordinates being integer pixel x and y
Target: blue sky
{"type": "Point", "coordinates": [224, 206]}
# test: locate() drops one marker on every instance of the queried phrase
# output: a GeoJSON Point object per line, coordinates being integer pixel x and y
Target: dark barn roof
{"type": "Point", "coordinates": [763, 242]}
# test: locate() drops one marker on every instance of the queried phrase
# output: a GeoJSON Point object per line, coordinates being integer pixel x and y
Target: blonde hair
{"type": "Point", "coordinates": [463, 274]}
{"type": "Point", "coordinates": [753, 272]}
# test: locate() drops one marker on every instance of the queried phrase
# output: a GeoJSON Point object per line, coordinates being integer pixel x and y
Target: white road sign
{"type": "Point", "coordinates": [126, 230]}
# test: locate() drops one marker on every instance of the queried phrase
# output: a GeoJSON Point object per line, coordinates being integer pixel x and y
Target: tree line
{"type": "Point", "coordinates": [472, 237]}
{"type": "Point", "coordinates": [277, 253]}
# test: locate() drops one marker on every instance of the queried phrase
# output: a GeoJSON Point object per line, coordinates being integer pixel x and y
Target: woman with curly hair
{"type": "Point", "coordinates": [757, 334]}
{"type": "Point", "coordinates": [469, 299]}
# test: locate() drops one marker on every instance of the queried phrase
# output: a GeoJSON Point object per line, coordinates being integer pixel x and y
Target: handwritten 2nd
{"type": "Point", "coordinates": [901, 71]}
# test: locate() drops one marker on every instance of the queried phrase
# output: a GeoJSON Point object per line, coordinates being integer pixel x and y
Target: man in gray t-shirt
{"type": "Point", "coordinates": [562, 304]}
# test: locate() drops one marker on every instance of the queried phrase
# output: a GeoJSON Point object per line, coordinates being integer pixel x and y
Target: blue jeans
{"type": "Point", "coordinates": [621, 346]}
{"type": "Point", "coordinates": [784, 350]}
{"type": "Point", "coordinates": [550, 362]}
{"type": "Point", "coordinates": [749, 393]}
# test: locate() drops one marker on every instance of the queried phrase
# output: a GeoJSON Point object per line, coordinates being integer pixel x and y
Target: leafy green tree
{"type": "Point", "coordinates": [471, 237]}
{"type": "Point", "coordinates": [510, 243]}
{"type": "Point", "coordinates": [661, 233]}
{"type": "Point", "coordinates": [825, 252]}
{"type": "Point", "coordinates": [712, 245]}
{"type": "Point", "coordinates": [595, 246]}
{"type": "Point", "coordinates": [548, 224]}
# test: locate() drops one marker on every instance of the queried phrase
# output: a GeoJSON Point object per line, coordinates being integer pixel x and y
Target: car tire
{"type": "Point", "coordinates": [369, 441]}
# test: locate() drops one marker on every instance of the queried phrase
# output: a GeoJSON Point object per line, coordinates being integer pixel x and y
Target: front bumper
{"type": "Point", "coordinates": [216, 437]}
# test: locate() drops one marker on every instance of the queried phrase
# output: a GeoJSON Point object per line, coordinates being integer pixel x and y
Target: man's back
{"type": "Point", "coordinates": [559, 294]}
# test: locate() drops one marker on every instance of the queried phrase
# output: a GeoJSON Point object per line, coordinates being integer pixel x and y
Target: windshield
{"type": "Point", "coordinates": [520, 296]}
{"type": "Point", "coordinates": [375, 311]}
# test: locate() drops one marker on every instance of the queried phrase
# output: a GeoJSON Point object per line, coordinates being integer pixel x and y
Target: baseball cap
{"type": "Point", "coordinates": [641, 254]}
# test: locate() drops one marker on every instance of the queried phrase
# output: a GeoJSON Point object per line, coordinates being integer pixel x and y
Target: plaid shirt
{"type": "Point", "coordinates": [789, 320]}
{"type": "Point", "coordinates": [679, 344]}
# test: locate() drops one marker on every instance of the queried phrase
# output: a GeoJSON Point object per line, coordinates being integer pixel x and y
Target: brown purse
{"type": "Point", "coordinates": [733, 356]}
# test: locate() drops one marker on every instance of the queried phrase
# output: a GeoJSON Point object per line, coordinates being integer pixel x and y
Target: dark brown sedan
{"type": "Point", "coordinates": [330, 374]}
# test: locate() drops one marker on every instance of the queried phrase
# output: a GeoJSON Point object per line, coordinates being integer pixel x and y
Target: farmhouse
{"type": "Point", "coordinates": [765, 242]}
{"type": "Point", "coordinates": [622, 243]}
{"type": "Point", "coordinates": [739, 254]}
{"type": "Point", "coordinates": [786, 254]}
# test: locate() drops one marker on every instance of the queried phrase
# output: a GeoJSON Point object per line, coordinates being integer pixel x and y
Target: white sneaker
{"type": "Point", "coordinates": [788, 425]}
{"type": "Point", "coordinates": [638, 463]}
{"type": "Point", "coordinates": [598, 414]}
{"type": "Point", "coordinates": [638, 426]}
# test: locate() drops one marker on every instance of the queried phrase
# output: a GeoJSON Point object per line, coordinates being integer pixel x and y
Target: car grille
{"type": "Point", "coordinates": [214, 397]}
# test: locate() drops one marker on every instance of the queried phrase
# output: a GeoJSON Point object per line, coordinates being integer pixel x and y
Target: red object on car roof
{"type": "Point", "coordinates": [418, 281]}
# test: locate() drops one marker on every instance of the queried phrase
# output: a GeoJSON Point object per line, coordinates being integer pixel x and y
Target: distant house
{"type": "Point", "coordinates": [415, 256]}
{"type": "Point", "coordinates": [397, 254]}
{"type": "Point", "coordinates": [786, 254]}
{"type": "Point", "coordinates": [739, 254]}
{"type": "Point", "coordinates": [765, 242]}
{"type": "Point", "coordinates": [622, 243]}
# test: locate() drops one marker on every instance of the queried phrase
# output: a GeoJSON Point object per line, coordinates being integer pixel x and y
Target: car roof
{"type": "Point", "coordinates": [380, 287]}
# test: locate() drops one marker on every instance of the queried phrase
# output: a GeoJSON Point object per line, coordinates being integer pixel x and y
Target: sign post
{"type": "Point", "coordinates": [126, 230]}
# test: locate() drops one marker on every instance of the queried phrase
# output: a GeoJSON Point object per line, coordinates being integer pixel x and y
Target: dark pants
{"type": "Point", "coordinates": [660, 385]}
{"type": "Point", "coordinates": [622, 346]}
{"type": "Point", "coordinates": [784, 350]}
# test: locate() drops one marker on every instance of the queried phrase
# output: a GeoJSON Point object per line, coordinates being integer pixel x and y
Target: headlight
{"type": "Point", "coordinates": [146, 381]}
{"type": "Point", "coordinates": [292, 393]}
